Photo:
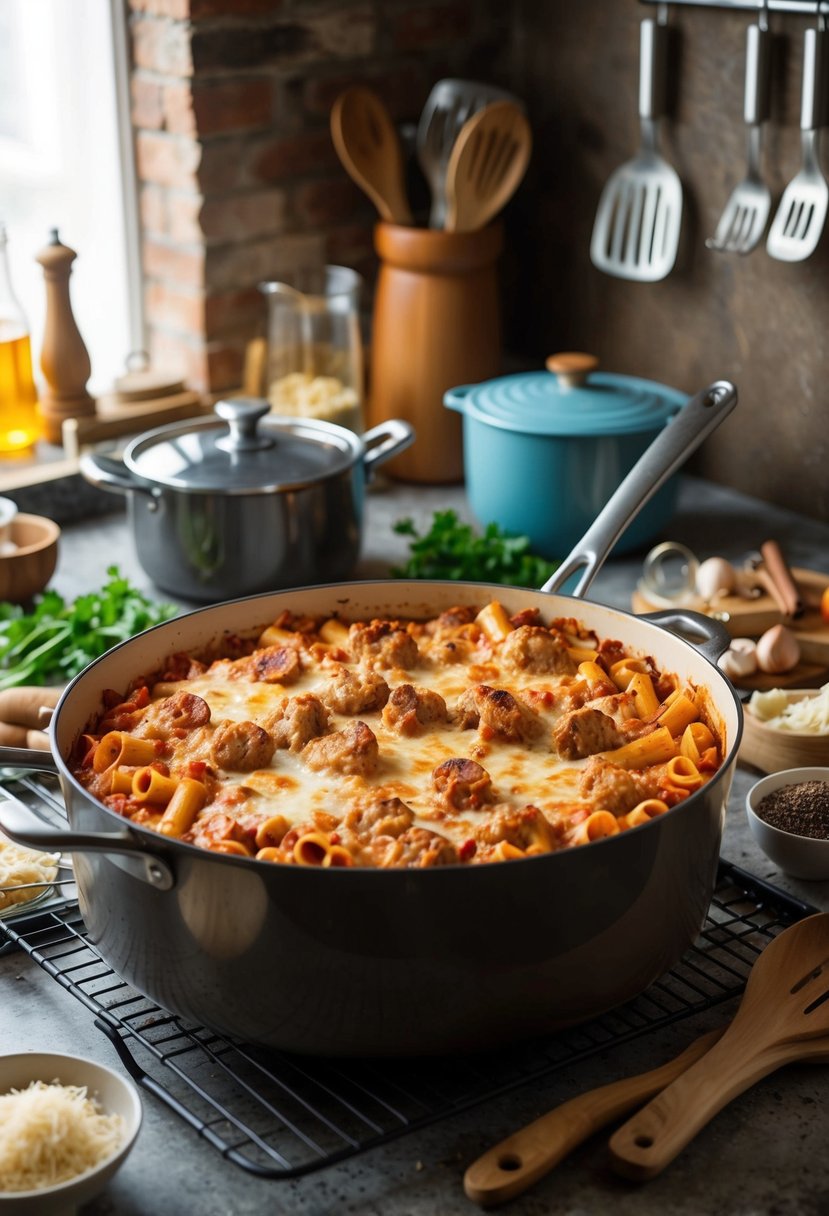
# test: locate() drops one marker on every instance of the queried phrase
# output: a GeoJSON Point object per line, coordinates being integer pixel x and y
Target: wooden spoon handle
{"type": "Point", "coordinates": [509, 1168]}
{"type": "Point", "coordinates": [650, 1140]}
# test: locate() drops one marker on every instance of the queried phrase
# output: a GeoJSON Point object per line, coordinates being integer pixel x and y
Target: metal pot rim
{"type": "Point", "coordinates": [149, 842]}
{"type": "Point", "coordinates": [253, 463]}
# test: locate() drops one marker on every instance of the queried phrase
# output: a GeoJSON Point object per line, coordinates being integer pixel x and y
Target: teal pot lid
{"type": "Point", "coordinates": [571, 398]}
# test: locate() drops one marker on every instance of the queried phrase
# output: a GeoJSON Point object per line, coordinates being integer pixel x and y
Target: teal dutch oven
{"type": "Point", "coordinates": [544, 451]}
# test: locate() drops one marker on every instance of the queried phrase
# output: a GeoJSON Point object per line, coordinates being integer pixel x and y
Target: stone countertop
{"type": "Point", "coordinates": [765, 1153]}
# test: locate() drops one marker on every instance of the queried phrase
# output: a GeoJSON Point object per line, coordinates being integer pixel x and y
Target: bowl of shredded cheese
{"type": "Point", "coordinates": [786, 728]}
{"type": "Point", "coordinates": [66, 1126]}
{"type": "Point", "coordinates": [26, 876]}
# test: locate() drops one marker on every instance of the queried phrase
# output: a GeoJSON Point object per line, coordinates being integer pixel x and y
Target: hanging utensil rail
{"type": "Point", "coordinates": [808, 8]}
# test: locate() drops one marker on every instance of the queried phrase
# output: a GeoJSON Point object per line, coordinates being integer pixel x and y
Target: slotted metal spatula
{"type": "Point", "coordinates": [636, 231]}
{"type": "Point", "coordinates": [801, 213]}
{"type": "Point", "coordinates": [448, 106]}
{"type": "Point", "coordinates": [744, 216]}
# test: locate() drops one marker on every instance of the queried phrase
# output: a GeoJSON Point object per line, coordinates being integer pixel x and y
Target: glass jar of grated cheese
{"type": "Point", "coordinates": [315, 351]}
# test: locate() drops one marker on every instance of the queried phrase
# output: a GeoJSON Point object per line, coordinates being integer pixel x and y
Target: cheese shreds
{"type": "Point", "coordinates": [52, 1133]}
{"type": "Point", "coordinates": [18, 868]}
{"type": "Point", "coordinates": [810, 715]}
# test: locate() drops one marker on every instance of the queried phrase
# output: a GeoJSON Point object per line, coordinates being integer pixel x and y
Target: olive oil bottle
{"type": "Point", "coordinates": [19, 422]}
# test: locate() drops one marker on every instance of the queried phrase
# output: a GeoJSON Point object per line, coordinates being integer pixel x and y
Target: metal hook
{"type": "Point", "coordinates": [763, 15]}
{"type": "Point", "coordinates": [662, 13]}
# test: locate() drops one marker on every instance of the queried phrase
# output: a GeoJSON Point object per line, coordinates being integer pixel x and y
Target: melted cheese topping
{"type": "Point", "coordinates": [520, 773]}
{"type": "Point", "coordinates": [526, 770]}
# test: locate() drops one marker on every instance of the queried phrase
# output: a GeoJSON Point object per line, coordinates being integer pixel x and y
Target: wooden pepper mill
{"type": "Point", "coordinates": [64, 359]}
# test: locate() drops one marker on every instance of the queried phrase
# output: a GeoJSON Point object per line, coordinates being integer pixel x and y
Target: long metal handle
{"type": "Point", "coordinates": [758, 61]}
{"type": "Point", "coordinates": [671, 448]}
{"type": "Point", "coordinates": [652, 46]}
{"type": "Point", "coordinates": [811, 101]}
{"type": "Point", "coordinates": [22, 824]}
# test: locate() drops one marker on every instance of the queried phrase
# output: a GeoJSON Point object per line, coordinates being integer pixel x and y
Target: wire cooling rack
{"type": "Point", "coordinates": [279, 1116]}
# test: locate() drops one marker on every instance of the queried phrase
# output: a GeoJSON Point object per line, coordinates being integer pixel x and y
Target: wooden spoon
{"type": "Point", "coordinates": [509, 1168]}
{"type": "Point", "coordinates": [368, 145]}
{"type": "Point", "coordinates": [486, 165]}
{"type": "Point", "coordinates": [784, 1009]}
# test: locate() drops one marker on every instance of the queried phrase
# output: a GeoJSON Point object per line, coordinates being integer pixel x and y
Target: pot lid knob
{"type": "Point", "coordinates": [571, 368]}
{"type": "Point", "coordinates": [242, 416]}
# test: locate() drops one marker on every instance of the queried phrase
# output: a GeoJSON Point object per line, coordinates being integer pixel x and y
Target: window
{"type": "Point", "coordinates": [66, 163]}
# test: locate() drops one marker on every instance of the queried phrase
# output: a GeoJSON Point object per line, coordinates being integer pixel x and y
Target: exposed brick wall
{"type": "Point", "coordinates": [239, 181]}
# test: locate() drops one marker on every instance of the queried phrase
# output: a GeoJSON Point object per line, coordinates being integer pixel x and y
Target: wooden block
{"type": "Point", "coordinates": [115, 419]}
{"type": "Point", "coordinates": [750, 618]}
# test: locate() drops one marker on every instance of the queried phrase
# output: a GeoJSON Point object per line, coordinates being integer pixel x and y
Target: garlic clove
{"type": "Point", "coordinates": [778, 650]}
{"type": "Point", "coordinates": [737, 663]}
{"type": "Point", "coordinates": [715, 576]}
{"type": "Point", "coordinates": [745, 645]}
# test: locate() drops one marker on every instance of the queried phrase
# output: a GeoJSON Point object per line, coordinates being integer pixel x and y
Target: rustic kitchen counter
{"type": "Point", "coordinates": [766, 1153]}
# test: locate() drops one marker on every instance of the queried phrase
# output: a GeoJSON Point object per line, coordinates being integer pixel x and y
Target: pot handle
{"type": "Point", "coordinates": [455, 398]}
{"type": "Point", "coordinates": [709, 636]}
{"type": "Point", "coordinates": [22, 824]}
{"type": "Point", "coordinates": [110, 474]}
{"type": "Point", "coordinates": [668, 452]}
{"type": "Point", "coordinates": [384, 441]}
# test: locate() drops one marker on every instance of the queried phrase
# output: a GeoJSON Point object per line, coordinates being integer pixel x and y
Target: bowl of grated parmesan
{"type": "Point", "coordinates": [26, 876]}
{"type": "Point", "coordinates": [66, 1126]}
{"type": "Point", "coordinates": [786, 728]}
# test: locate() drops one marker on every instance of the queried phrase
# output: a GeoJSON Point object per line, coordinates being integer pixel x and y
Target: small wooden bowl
{"type": "Point", "coordinates": [770, 749]}
{"type": "Point", "coordinates": [26, 571]}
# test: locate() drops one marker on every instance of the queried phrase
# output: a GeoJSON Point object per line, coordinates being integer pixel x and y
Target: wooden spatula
{"type": "Point", "coordinates": [781, 1018]}
{"type": "Point", "coordinates": [509, 1168]}
{"type": "Point", "coordinates": [368, 146]}
{"type": "Point", "coordinates": [486, 165]}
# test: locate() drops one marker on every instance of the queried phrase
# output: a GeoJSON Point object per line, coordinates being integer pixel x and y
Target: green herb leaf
{"type": "Point", "coordinates": [57, 640]}
{"type": "Point", "coordinates": [452, 550]}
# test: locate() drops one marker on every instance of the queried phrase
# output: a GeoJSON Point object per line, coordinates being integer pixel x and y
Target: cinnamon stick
{"type": "Point", "coordinates": [786, 592]}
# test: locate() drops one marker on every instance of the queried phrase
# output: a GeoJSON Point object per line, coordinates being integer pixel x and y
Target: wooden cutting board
{"type": "Point", "coordinates": [749, 618]}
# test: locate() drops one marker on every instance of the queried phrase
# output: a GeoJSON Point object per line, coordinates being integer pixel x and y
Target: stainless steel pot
{"type": "Point", "coordinates": [239, 503]}
{"type": "Point", "coordinates": [381, 962]}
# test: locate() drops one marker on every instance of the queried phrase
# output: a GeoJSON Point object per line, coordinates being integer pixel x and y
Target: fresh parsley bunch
{"type": "Point", "coordinates": [452, 550]}
{"type": "Point", "coordinates": [57, 640]}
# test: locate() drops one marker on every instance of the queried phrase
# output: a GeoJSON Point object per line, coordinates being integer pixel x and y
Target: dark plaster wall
{"type": "Point", "coordinates": [760, 322]}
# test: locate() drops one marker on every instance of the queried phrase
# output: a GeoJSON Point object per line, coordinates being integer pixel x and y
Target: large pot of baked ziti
{"type": "Point", "coordinates": [395, 817]}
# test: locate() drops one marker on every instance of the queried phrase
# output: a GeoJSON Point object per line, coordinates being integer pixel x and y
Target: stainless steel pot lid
{"type": "Point", "coordinates": [240, 451]}
{"type": "Point", "coordinates": [570, 398]}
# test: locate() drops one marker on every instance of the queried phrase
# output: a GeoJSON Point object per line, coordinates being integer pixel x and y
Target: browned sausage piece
{"type": "Point", "coordinates": [384, 644]}
{"type": "Point", "coordinates": [409, 709]}
{"type": "Point", "coordinates": [607, 786]}
{"type": "Point", "coordinates": [418, 848]}
{"type": "Point", "coordinates": [350, 692]}
{"type": "Point", "coordinates": [180, 712]}
{"type": "Point", "coordinates": [521, 826]}
{"type": "Point", "coordinates": [386, 817]}
{"type": "Point", "coordinates": [241, 747]}
{"type": "Point", "coordinates": [583, 732]}
{"type": "Point", "coordinates": [275, 665]}
{"type": "Point", "coordinates": [533, 648]}
{"type": "Point", "coordinates": [297, 720]}
{"type": "Point", "coordinates": [352, 751]}
{"type": "Point", "coordinates": [462, 785]}
{"type": "Point", "coordinates": [498, 713]}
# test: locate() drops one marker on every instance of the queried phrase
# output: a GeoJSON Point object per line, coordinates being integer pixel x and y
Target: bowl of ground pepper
{"type": "Point", "coordinates": [788, 813]}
